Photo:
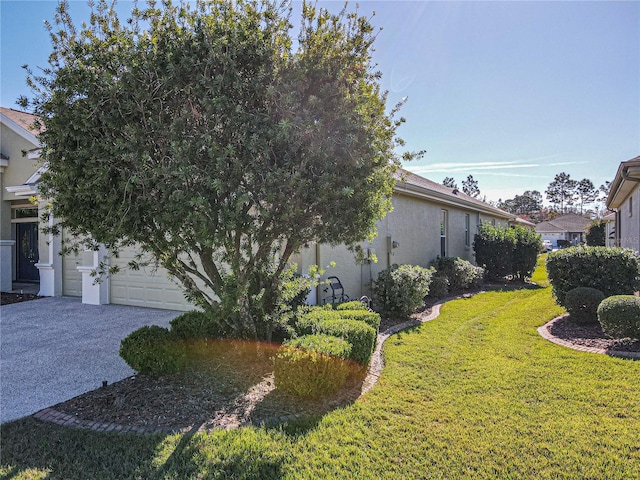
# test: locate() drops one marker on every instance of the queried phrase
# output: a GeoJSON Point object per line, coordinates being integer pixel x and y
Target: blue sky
{"type": "Point", "coordinates": [509, 92]}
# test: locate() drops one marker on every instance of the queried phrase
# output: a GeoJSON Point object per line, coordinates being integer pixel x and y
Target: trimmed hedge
{"type": "Point", "coordinates": [370, 318]}
{"type": "Point", "coordinates": [306, 321]}
{"type": "Point", "coordinates": [352, 305]}
{"type": "Point", "coordinates": [507, 251]}
{"type": "Point", "coordinates": [619, 316]}
{"type": "Point", "coordinates": [400, 290]}
{"type": "Point", "coordinates": [582, 304]}
{"type": "Point", "coordinates": [613, 271]}
{"type": "Point", "coordinates": [312, 366]}
{"type": "Point", "coordinates": [153, 350]}
{"type": "Point", "coordinates": [361, 336]}
{"type": "Point", "coordinates": [326, 344]}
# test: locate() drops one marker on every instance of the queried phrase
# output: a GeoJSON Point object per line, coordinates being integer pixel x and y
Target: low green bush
{"type": "Point", "coordinates": [460, 274]}
{"type": "Point", "coordinates": [619, 316]}
{"type": "Point", "coordinates": [596, 233]}
{"type": "Point", "coordinates": [400, 290]}
{"type": "Point", "coordinates": [195, 325]}
{"type": "Point", "coordinates": [153, 350]}
{"type": "Point", "coordinates": [612, 270]}
{"type": "Point", "coordinates": [312, 365]}
{"type": "Point", "coordinates": [439, 287]}
{"type": "Point", "coordinates": [352, 305]}
{"type": "Point", "coordinates": [361, 336]}
{"type": "Point", "coordinates": [582, 304]}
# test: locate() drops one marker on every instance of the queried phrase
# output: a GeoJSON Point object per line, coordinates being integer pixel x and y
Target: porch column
{"type": "Point", "coordinates": [95, 292]}
{"type": "Point", "coordinates": [51, 268]}
{"type": "Point", "coordinates": [6, 270]}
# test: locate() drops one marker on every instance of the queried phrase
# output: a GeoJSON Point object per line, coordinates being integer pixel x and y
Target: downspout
{"type": "Point", "coordinates": [319, 286]}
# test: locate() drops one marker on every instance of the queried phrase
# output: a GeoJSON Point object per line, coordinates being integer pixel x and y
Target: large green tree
{"type": "Point", "coordinates": [561, 192]}
{"type": "Point", "coordinates": [210, 139]}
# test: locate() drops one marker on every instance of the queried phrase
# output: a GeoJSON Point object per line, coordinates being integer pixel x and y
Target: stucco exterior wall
{"type": "Point", "coordinates": [414, 224]}
{"type": "Point", "coordinates": [630, 220]}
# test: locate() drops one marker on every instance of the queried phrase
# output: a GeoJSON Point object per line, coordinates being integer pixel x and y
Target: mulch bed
{"type": "Point", "coordinates": [8, 298]}
{"type": "Point", "coordinates": [231, 384]}
{"type": "Point", "coordinates": [590, 336]}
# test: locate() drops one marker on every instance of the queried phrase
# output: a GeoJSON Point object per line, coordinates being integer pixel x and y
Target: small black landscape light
{"type": "Point", "coordinates": [104, 384]}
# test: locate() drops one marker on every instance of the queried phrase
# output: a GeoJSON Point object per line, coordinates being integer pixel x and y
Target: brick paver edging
{"type": "Point", "coordinates": [544, 333]}
{"type": "Point", "coordinates": [51, 415]}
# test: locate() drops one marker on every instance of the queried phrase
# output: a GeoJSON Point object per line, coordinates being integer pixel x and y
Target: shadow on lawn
{"type": "Point", "coordinates": [32, 449]}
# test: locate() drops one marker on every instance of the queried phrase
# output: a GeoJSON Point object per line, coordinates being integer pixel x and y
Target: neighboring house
{"type": "Point", "coordinates": [624, 199]}
{"type": "Point", "coordinates": [523, 222]}
{"type": "Point", "coordinates": [569, 227]}
{"type": "Point", "coordinates": [19, 236]}
{"type": "Point", "coordinates": [428, 220]}
{"type": "Point", "coordinates": [610, 229]}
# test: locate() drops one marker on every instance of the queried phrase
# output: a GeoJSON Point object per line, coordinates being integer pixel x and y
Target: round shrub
{"type": "Point", "coordinates": [400, 290]}
{"type": "Point", "coordinates": [459, 273]}
{"type": "Point", "coordinates": [582, 304]}
{"type": "Point", "coordinates": [194, 325]}
{"type": "Point", "coordinates": [612, 270]}
{"type": "Point", "coordinates": [619, 316]}
{"type": "Point", "coordinates": [312, 365]}
{"type": "Point", "coordinates": [153, 350]}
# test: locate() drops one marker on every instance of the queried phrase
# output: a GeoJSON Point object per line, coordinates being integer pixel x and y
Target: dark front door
{"type": "Point", "coordinates": [27, 243]}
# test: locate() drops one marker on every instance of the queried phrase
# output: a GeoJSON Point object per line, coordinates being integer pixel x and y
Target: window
{"type": "Point", "coordinates": [631, 206]}
{"type": "Point", "coordinates": [443, 233]}
{"type": "Point", "coordinates": [467, 236]}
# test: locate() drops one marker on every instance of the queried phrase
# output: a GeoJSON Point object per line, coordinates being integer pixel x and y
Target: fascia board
{"type": "Point", "coordinates": [621, 189]}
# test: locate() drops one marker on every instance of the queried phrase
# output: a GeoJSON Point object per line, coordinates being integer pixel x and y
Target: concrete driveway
{"type": "Point", "coordinates": [54, 349]}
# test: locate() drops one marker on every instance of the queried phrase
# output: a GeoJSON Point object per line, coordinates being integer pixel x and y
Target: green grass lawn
{"type": "Point", "coordinates": [475, 393]}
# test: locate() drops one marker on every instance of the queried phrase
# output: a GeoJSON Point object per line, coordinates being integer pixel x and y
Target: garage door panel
{"type": "Point", "coordinates": [147, 287]}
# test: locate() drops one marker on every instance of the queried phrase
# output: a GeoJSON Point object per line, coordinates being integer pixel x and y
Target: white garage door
{"type": "Point", "coordinates": [71, 277]}
{"type": "Point", "coordinates": [145, 287]}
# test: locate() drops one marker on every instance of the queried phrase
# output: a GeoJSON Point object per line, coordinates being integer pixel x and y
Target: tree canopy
{"type": "Point", "coordinates": [470, 187]}
{"type": "Point", "coordinates": [204, 137]}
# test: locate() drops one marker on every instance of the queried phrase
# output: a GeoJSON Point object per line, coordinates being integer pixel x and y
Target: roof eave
{"type": "Point", "coordinates": [420, 192]}
{"type": "Point", "coordinates": [624, 182]}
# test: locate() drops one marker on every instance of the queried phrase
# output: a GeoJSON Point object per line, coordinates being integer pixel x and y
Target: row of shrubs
{"type": "Point", "coordinates": [329, 343]}
{"type": "Point", "coordinates": [596, 284]}
{"type": "Point", "coordinates": [401, 289]}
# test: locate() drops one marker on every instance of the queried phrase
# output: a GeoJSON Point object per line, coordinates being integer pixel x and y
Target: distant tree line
{"type": "Point", "coordinates": [565, 195]}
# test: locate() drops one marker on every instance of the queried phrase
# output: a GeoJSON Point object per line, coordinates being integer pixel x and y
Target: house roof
{"type": "Point", "coordinates": [21, 123]}
{"type": "Point", "coordinates": [411, 184]}
{"type": "Point", "coordinates": [569, 223]}
{"type": "Point", "coordinates": [24, 119]}
{"type": "Point", "coordinates": [625, 181]}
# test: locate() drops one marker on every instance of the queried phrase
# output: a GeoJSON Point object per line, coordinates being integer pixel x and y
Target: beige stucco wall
{"type": "Point", "coordinates": [630, 220]}
{"type": "Point", "coordinates": [415, 225]}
